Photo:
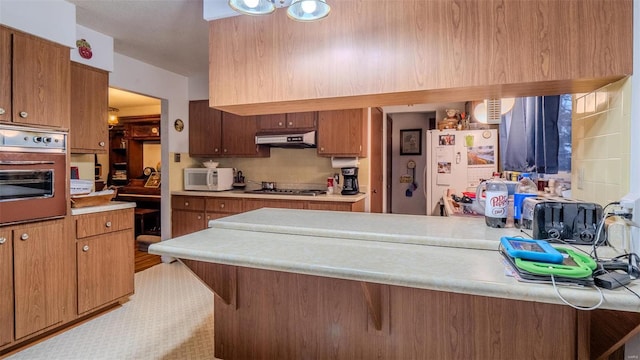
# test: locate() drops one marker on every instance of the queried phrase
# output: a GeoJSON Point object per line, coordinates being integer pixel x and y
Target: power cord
{"type": "Point", "coordinates": [577, 307]}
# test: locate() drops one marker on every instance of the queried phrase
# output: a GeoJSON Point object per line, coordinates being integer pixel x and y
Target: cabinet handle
{"type": "Point", "coordinates": [24, 236]}
{"type": "Point", "coordinates": [23, 114]}
{"type": "Point", "coordinates": [2, 111]}
{"type": "Point", "coordinates": [3, 240]}
{"type": "Point", "coordinates": [108, 224]}
{"type": "Point", "coordinates": [85, 248]}
{"type": "Point", "coordinates": [101, 143]}
{"type": "Point", "coordinates": [186, 203]}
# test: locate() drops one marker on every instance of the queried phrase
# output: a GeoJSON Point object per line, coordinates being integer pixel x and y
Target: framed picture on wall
{"type": "Point", "coordinates": [411, 142]}
{"type": "Point", "coordinates": [153, 181]}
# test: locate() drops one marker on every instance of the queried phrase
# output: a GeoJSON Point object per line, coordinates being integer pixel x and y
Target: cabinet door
{"type": "Point", "coordinates": [6, 286]}
{"type": "Point", "coordinates": [89, 109]}
{"type": "Point", "coordinates": [239, 135]}
{"type": "Point", "coordinates": [5, 74]}
{"type": "Point", "coordinates": [38, 276]}
{"type": "Point", "coordinates": [302, 120]}
{"type": "Point", "coordinates": [342, 132]}
{"type": "Point", "coordinates": [205, 129]}
{"type": "Point", "coordinates": [187, 222]}
{"type": "Point", "coordinates": [105, 269]}
{"type": "Point", "coordinates": [41, 90]}
{"type": "Point", "coordinates": [272, 122]}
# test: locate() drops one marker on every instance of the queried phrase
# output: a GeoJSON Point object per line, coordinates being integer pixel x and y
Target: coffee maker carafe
{"type": "Point", "coordinates": [350, 175]}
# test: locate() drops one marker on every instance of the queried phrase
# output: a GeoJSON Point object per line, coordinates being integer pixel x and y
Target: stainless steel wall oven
{"type": "Point", "coordinates": [33, 174]}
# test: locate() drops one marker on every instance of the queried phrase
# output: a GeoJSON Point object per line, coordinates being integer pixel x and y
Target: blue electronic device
{"type": "Point", "coordinates": [534, 250]}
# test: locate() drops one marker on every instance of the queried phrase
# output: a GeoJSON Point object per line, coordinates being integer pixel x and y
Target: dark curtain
{"type": "Point", "coordinates": [529, 137]}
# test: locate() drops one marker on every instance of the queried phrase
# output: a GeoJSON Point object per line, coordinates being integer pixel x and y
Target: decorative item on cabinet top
{"type": "Point", "coordinates": [144, 127]}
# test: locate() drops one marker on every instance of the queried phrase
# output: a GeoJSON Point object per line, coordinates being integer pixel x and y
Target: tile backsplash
{"type": "Point", "coordinates": [601, 143]}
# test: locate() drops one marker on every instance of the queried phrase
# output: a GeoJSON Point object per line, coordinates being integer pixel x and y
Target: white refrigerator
{"type": "Point", "coordinates": [457, 160]}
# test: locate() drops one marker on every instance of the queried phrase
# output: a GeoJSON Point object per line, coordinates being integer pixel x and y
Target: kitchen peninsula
{"type": "Point", "coordinates": [321, 284]}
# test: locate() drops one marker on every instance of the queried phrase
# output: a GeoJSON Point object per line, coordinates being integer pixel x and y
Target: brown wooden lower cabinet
{"type": "Point", "coordinates": [105, 258]}
{"type": "Point", "coordinates": [192, 213]}
{"type": "Point", "coordinates": [280, 315]}
{"type": "Point", "coordinates": [6, 286]}
{"type": "Point", "coordinates": [32, 278]}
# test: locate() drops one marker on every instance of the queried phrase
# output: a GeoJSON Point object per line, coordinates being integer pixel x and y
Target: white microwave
{"type": "Point", "coordinates": [205, 179]}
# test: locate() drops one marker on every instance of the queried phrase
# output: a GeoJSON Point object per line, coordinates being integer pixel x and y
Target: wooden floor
{"type": "Point", "coordinates": [144, 260]}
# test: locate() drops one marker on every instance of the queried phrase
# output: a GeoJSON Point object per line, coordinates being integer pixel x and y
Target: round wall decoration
{"type": "Point", "coordinates": [178, 125]}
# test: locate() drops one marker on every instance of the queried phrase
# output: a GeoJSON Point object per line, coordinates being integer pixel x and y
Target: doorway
{"type": "Point", "coordinates": [133, 164]}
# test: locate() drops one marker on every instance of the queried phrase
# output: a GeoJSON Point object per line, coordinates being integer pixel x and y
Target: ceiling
{"type": "Point", "coordinates": [170, 34]}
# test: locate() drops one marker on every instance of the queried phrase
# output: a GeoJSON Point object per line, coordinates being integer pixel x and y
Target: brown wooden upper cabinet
{"type": "Point", "coordinates": [89, 131]}
{"type": "Point", "coordinates": [34, 80]}
{"type": "Point", "coordinates": [293, 121]}
{"type": "Point", "coordinates": [213, 133]}
{"type": "Point", "coordinates": [342, 132]}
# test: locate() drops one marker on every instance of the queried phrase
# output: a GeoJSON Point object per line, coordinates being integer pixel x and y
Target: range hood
{"type": "Point", "coordinates": [288, 140]}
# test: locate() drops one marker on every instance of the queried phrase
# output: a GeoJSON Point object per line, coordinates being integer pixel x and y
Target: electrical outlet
{"type": "Point", "coordinates": [176, 157]}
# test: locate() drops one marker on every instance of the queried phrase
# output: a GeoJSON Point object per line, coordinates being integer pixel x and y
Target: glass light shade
{"type": "Point", "coordinates": [253, 7]}
{"type": "Point", "coordinates": [112, 120]}
{"type": "Point", "coordinates": [308, 10]}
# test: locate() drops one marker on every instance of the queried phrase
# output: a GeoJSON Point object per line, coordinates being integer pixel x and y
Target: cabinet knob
{"type": "Point", "coordinates": [208, 217]}
{"type": "Point", "coordinates": [23, 114]}
{"type": "Point", "coordinates": [108, 224]}
{"type": "Point", "coordinates": [2, 111]}
{"type": "Point", "coordinates": [101, 144]}
{"type": "Point", "coordinates": [224, 151]}
{"type": "Point", "coordinates": [85, 248]}
{"type": "Point", "coordinates": [321, 149]}
{"type": "Point", "coordinates": [216, 150]}
{"type": "Point", "coordinates": [290, 123]}
{"type": "Point", "coordinates": [3, 240]}
{"type": "Point", "coordinates": [280, 124]}
{"type": "Point", "coordinates": [222, 206]}
{"type": "Point", "coordinates": [24, 236]}
{"type": "Point", "coordinates": [199, 217]}
{"type": "Point", "coordinates": [186, 203]}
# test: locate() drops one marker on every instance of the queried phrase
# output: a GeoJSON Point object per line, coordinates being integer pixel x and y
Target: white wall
{"type": "Point", "coordinates": [54, 20]}
{"type": "Point", "coordinates": [133, 75]}
{"type": "Point", "coordinates": [401, 203]}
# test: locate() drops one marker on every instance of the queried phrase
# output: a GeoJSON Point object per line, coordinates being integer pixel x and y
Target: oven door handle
{"type": "Point", "coordinates": [25, 163]}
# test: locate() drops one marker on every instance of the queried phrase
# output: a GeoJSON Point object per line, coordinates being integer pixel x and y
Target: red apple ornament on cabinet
{"type": "Point", "coordinates": [84, 49]}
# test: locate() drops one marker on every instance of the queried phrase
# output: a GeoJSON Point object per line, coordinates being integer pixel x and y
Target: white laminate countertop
{"type": "Point", "coordinates": [242, 194]}
{"type": "Point", "coordinates": [378, 248]}
{"type": "Point", "coordinates": [464, 232]}
{"type": "Point", "coordinates": [111, 206]}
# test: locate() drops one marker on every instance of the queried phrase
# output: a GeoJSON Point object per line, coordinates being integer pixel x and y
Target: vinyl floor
{"type": "Point", "coordinates": [170, 316]}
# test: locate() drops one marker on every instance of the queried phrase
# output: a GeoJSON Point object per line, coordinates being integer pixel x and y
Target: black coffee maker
{"type": "Point", "coordinates": [350, 175]}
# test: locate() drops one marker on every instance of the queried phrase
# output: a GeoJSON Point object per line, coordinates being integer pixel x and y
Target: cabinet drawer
{"type": "Point", "coordinates": [187, 203]}
{"type": "Point", "coordinates": [103, 223]}
{"type": "Point", "coordinates": [253, 204]}
{"type": "Point", "coordinates": [224, 205]}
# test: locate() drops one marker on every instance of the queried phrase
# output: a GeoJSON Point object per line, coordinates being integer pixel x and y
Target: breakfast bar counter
{"type": "Point", "coordinates": [311, 284]}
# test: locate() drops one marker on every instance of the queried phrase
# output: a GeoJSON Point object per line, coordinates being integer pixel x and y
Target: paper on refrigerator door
{"type": "Point", "coordinates": [444, 160]}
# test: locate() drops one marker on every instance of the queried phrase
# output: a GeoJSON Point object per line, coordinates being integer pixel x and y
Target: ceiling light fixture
{"type": "Point", "coordinates": [300, 10]}
{"type": "Point", "coordinates": [490, 111]}
{"type": "Point", "coordinates": [112, 120]}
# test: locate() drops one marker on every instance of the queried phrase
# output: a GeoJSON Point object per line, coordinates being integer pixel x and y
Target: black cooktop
{"type": "Point", "coordinates": [301, 192]}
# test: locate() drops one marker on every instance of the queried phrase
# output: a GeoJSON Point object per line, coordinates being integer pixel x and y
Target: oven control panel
{"type": "Point", "coordinates": [13, 138]}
